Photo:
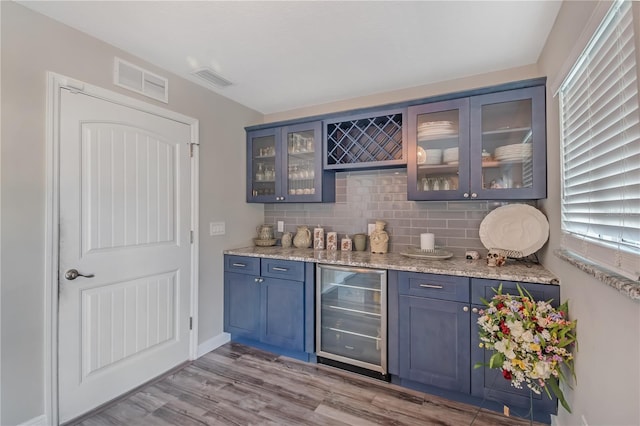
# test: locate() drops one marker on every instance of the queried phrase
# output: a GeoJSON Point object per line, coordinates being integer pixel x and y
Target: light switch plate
{"type": "Point", "coordinates": [216, 228]}
{"type": "Point", "coordinates": [370, 228]}
{"type": "Point", "coordinates": [280, 226]}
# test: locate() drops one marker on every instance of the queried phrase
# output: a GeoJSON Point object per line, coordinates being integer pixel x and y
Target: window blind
{"type": "Point", "coordinates": [600, 129]}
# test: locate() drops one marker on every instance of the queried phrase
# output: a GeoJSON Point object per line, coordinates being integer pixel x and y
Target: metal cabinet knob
{"type": "Point", "coordinates": [259, 280]}
{"type": "Point", "coordinates": [72, 274]}
{"type": "Point", "coordinates": [465, 195]}
{"type": "Point", "coordinates": [474, 310]}
{"type": "Point", "coordinates": [466, 309]}
{"type": "Point", "coordinates": [474, 195]}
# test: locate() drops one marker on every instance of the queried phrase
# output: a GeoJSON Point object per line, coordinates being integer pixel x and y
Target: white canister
{"type": "Point", "coordinates": [346, 244]}
{"type": "Point", "coordinates": [332, 241]}
{"type": "Point", "coordinates": [427, 241]}
{"type": "Point", "coordinates": [318, 238]}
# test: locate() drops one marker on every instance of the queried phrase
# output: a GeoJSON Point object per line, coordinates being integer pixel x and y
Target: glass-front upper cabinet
{"type": "Point", "coordinates": [285, 165]}
{"type": "Point", "coordinates": [489, 146]}
{"type": "Point", "coordinates": [508, 145]}
{"type": "Point", "coordinates": [262, 163]}
{"type": "Point", "coordinates": [439, 143]}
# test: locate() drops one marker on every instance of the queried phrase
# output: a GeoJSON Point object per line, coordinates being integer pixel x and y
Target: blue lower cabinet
{"type": "Point", "coordinates": [282, 313]}
{"type": "Point", "coordinates": [488, 383]}
{"type": "Point", "coordinates": [437, 345]}
{"type": "Point", "coordinates": [242, 300]}
{"type": "Point", "coordinates": [270, 305]}
{"type": "Point", "coordinates": [434, 337]}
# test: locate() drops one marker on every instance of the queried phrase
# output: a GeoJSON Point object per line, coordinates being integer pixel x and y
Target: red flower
{"type": "Point", "coordinates": [506, 374]}
{"type": "Point", "coordinates": [500, 305]}
{"type": "Point", "coordinates": [503, 327]}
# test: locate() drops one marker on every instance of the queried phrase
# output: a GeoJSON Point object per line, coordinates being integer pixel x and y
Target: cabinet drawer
{"type": "Point", "coordinates": [284, 269]}
{"type": "Point", "coordinates": [483, 289]}
{"type": "Point", "coordinates": [242, 264]}
{"type": "Point", "coordinates": [434, 286]}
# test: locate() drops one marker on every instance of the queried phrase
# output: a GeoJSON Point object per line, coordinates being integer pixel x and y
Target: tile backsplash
{"type": "Point", "coordinates": [362, 197]}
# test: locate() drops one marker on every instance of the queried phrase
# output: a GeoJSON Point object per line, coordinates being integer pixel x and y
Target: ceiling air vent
{"type": "Point", "coordinates": [211, 77]}
{"type": "Point", "coordinates": [140, 80]}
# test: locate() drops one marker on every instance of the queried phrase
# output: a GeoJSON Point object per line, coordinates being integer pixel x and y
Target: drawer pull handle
{"type": "Point", "coordinates": [239, 265]}
{"type": "Point", "coordinates": [349, 347]}
{"type": "Point", "coordinates": [279, 269]}
{"type": "Point", "coordinates": [430, 286]}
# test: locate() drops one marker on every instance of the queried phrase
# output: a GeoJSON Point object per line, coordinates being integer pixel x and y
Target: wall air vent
{"type": "Point", "coordinates": [140, 80]}
{"type": "Point", "coordinates": [212, 77]}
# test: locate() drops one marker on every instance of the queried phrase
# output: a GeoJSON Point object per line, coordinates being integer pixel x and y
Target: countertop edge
{"type": "Point", "coordinates": [513, 271]}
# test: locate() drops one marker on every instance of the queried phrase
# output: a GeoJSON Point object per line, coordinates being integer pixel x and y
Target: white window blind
{"type": "Point", "coordinates": [600, 129]}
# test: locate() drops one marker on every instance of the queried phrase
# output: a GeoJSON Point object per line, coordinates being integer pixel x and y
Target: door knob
{"type": "Point", "coordinates": [72, 274]}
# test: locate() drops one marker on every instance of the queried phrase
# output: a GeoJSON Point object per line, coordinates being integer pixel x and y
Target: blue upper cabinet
{"type": "Point", "coordinates": [284, 164]}
{"type": "Point", "coordinates": [485, 147]}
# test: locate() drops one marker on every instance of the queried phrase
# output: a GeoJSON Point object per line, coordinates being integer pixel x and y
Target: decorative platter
{"type": "Point", "coordinates": [417, 253]}
{"type": "Point", "coordinates": [422, 155]}
{"type": "Point", "coordinates": [517, 228]}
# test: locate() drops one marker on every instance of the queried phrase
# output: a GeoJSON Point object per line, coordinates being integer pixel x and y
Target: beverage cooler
{"type": "Point", "coordinates": [351, 317]}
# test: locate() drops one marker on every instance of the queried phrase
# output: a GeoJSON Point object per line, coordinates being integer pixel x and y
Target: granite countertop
{"type": "Point", "coordinates": [512, 271]}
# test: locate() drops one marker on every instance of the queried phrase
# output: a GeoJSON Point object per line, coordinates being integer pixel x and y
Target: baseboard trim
{"type": "Point", "coordinates": [213, 343]}
{"type": "Point", "coordinates": [36, 421]}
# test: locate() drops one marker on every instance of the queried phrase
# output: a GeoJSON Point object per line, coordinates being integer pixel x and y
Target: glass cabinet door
{"type": "Point", "coordinates": [302, 162]}
{"type": "Point", "coordinates": [262, 164]}
{"type": "Point", "coordinates": [507, 144]}
{"type": "Point", "coordinates": [438, 150]}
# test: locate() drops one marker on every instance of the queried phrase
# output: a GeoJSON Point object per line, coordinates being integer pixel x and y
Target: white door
{"type": "Point", "coordinates": [125, 219]}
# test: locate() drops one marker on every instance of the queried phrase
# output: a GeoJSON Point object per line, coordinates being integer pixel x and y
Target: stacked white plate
{"type": "Point", "coordinates": [433, 129]}
{"type": "Point", "coordinates": [450, 155]}
{"type": "Point", "coordinates": [515, 152]}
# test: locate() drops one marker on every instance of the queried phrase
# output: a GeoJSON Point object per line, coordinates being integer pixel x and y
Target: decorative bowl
{"type": "Point", "coordinates": [264, 243]}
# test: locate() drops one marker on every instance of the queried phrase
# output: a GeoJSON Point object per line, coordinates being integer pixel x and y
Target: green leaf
{"type": "Point", "coordinates": [553, 384]}
{"type": "Point", "coordinates": [496, 360]}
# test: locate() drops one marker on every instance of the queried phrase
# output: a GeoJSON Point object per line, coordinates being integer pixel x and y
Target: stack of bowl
{"type": "Point", "coordinates": [450, 156]}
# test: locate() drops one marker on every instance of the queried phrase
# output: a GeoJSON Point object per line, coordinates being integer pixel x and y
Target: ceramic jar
{"type": "Point", "coordinates": [332, 241]}
{"type": "Point", "coordinates": [287, 239]}
{"type": "Point", "coordinates": [360, 242]}
{"type": "Point", "coordinates": [379, 238]}
{"type": "Point", "coordinates": [265, 232]}
{"type": "Point", "coordinates": [346, 244]}
{"type": "Point", "coordinates": [318, 238]}
{"type": "Point", "coordinates": [303, 237]}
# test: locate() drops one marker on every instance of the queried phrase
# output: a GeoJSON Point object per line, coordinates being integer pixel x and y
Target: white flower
{"type": "Point", "coordinates": [516, 328]}
{"type": "Point", "coordinates": [541, 370]}
{"type": "Point", "coordinates": [504, 347]}
{"type": "Point", "coordinates": [527, 336]}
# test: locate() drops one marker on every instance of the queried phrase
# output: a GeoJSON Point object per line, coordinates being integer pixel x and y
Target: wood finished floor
{"type": "Point", "coordinates": [239, 385]}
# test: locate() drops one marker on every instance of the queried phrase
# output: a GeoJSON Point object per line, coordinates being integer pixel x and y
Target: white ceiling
{"type": "Point", "coordinates": [290, 54]}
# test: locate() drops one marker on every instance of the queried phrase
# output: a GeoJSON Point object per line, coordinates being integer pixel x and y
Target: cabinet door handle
{"type": "Point", "coordinates": [258, 280]}
{"type": "Point", "coordinates": [279, 269]}
{"type": "Point", "coordinates": [466, 309]}
{"type": "Point", "coordinates": [474, 195]}
{"type": "Point", "coordinates": [465, 195]}
{"type": "Point", "coordinates": [430, 286]}
{"type": "Point", "coordinates": [474, 310]}
{"type": "Point", "coordinates": [239, 265]}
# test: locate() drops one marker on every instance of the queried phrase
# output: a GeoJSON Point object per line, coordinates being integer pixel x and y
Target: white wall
{"type": "Point", "coordinates": [608, 360]}
{"type": "Point", "coordinates": [31, 45]}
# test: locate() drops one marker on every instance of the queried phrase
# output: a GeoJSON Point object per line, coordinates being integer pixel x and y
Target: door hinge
{"type": "Point", "coordinates": [190, 323]}
{"type": "Point", "coordinates": [191, 145]}
{"type": "Point", "coordinates": [191, 232]}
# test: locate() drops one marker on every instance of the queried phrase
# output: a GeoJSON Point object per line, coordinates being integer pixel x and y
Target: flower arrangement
{"type": "Point", "coordinates": [531, 340]}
